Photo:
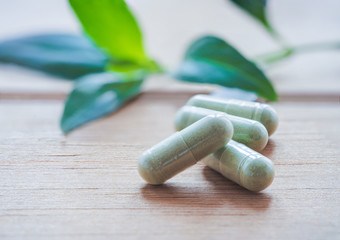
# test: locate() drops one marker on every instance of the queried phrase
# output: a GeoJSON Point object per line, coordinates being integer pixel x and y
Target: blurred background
{"type": "Point", "coordinates": [169, 26]}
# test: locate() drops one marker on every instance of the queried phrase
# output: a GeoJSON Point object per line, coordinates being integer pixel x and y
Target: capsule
{"type": "Point", "coordinates": [246, 131]}
{"type": "Point", "coordinates": [184, 148]}
{"type": "Point", "coordinates": [242, 165]}
{"type": "Point", "coordinates": [260, 112]}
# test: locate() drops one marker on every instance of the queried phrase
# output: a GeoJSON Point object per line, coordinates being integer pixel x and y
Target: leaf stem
{"type": "Point", "coordinates": [289, 51]}
{"type": "Point", "coordinates": [277, 37]}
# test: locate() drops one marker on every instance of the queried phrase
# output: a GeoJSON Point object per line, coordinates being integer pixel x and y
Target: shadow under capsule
{"type": "Point", "coordinates": [269, 149]}
{"type": "Point", "coordinates": [236, 195]}
{"type": "Point", "coordinates": [219, 192]}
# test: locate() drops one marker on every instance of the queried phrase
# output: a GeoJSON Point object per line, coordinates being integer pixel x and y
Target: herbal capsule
{"type": "Point", "coordinates": [183, 149]}
{"type": "Point", "coordinates": [242, 165]}
{"type": "Point", "coordinates": [260, 112]}
{"type": "Point", "coordinates": [246, 131]}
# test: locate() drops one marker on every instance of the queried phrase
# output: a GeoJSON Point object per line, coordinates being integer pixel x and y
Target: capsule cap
{"type": "Point", "coordinates": [258, 135]}
{"type": "Point", "coordinates": [270, 119]}
{"type": "Point", "coordinates": [182, 118]}
{"type": "Point", "coordinates": [257, 173]}
{"type": "Point", "coordinates": [161, 162]}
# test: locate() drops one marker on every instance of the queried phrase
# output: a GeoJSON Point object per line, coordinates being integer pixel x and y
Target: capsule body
{"type": "Point", "coordinates": [260, 112]}
{"type": "Point", "coordinates": [242, 165]}
{"type": "Point", "coordinates": [246, 131]}
{"type": "Point", "coordinates": [184, 148]}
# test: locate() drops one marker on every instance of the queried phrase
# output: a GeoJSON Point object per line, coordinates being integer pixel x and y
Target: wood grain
{"type": "Point", "coordinates": [85, 185]}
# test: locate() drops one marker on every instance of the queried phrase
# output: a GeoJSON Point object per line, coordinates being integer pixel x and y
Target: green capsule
{"type": "Point", "coordinates": [242, 165]}
{"type": "Point", "coordinates": [246, 131]}
{"type": "Point", "coordinates": [260, 112]}
{"type": "Point", "coordinates": [184, 148]}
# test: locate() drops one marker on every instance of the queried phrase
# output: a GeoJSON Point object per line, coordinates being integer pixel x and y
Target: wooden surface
{"type": "Point", "coordinates": [86, 186]}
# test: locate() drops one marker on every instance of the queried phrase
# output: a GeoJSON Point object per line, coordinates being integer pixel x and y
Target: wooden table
{"type": "Point", "coordinates": [85, 185]}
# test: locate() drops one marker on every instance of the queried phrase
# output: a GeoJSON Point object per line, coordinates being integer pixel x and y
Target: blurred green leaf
{"type": "Point", "coordinates": [256, 8]}
{"type": "Point", "coordinates": [64, 55]}
{"type": "Point", "coordinates": [112, 27]}
{"type": "Point", "coordinates": [96, 95]}
{"type": "Point", "coordinates": [212, 60]}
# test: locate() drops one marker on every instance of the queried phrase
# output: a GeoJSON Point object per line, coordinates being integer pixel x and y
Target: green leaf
{"type": "Point", "coordinates": [212, 60]}
{"type": "Point", "coordinates": [64, 55]}
{"type": "Point", "coordinates": [256, 8]}
{"type": "Point", "coordinates": [96, 95]}
{"type": "Point", "coordinates": [113, 27]}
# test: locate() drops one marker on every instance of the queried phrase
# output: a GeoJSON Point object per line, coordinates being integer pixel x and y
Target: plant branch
{"type": "Point", "coordinates": [289, 51]}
